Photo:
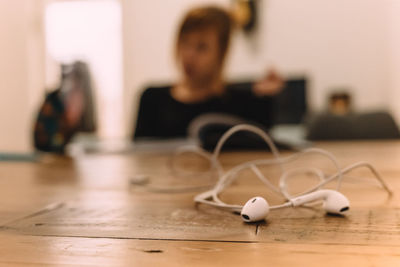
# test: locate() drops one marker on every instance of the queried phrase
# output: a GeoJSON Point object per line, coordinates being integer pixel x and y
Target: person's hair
{"type": "Point", "coordinates": [209, 17]}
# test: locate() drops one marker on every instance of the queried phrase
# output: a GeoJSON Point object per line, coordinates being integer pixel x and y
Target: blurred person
{"type": "Point", "coordinates": [66, 111]}
{"type": "Point", "coordinates": [201, 47]}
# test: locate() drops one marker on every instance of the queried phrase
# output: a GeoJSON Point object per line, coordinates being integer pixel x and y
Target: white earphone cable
{"type": "Point", "coordinates": [227, 178]}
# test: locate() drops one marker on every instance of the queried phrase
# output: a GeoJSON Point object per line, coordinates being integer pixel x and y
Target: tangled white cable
{"type": "Point", "coordinates": [257, 208]}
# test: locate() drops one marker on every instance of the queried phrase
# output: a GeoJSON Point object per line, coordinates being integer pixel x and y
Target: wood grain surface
{"type": "Point", "coordinates": [84, 211]}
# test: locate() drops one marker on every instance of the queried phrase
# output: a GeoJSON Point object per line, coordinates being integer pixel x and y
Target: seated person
{"type": "Point", "coordinates": [201, 48]}
{"type": "Point", "coordinates": [66, 110]}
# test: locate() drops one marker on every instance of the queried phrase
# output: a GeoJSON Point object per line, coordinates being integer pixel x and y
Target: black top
{"type": "Point", "coordinates": [161, 116]}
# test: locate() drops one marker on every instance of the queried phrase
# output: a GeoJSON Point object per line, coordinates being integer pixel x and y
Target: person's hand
{"type": "Point", "coordinates": [270, 85]}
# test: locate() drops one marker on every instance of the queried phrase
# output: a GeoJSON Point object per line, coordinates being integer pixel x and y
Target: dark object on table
{"type": "Point", "coordinates": [374, 125]}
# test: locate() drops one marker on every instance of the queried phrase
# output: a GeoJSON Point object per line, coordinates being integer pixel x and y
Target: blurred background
{"type": "Point", "coordinates": [347, 45]}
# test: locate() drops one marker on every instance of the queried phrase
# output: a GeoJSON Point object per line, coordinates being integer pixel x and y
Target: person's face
{"type": "Point", "coordinates": [199, 55]}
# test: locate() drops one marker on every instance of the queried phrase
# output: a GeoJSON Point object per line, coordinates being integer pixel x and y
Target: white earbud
{"type": "Point", "coordinates": [256, 209]}
{"type": "Point", "coordinates": [334, 202]}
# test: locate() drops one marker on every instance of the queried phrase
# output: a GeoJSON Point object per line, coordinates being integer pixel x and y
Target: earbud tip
{"type": "Point", "coordinates": [337, 204]}
{"type": "Point", "coordinates": [256, 209]}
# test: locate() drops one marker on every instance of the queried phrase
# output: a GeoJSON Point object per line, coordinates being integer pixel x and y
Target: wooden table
{"type": "Point", "coordinates": [84, 211]}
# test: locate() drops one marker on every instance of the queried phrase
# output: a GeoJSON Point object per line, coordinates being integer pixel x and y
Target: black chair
{"type": "Point", "coordinates": [291, 103]}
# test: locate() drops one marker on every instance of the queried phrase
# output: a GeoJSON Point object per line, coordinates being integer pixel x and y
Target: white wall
{"type": "Point", "coordinates": [21, 72]}
{"type": "Point", "coordinates": [337, 44]}
{"type": "Point", "coordinates": [394, 42]}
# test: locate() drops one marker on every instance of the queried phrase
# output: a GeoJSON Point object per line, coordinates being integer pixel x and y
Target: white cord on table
{"type": "Point", "coordinates": [226, 178]}
{"type": "Point", "coordinates": [230, 176]}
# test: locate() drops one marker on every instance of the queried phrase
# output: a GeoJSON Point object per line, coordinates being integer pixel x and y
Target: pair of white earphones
{"type": "Point", "coordinates": [257, 208]}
